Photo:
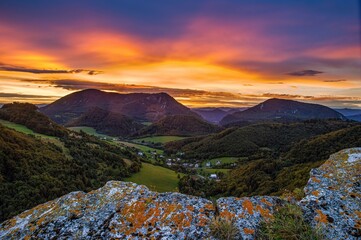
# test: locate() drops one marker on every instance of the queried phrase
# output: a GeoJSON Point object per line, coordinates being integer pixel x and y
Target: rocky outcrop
{"type": "Point", "coordinates": [121, 210]}
{"type": "Point", "coordinates": [333, 196]}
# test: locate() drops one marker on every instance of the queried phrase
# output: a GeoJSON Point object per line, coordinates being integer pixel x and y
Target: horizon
{"type": "Point", "coordinates": [204, 54]}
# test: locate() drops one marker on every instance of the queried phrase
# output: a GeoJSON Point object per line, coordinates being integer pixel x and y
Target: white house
{"type": "Point", "coordinates": [213, 176]}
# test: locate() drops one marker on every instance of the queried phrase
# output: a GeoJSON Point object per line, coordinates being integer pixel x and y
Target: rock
{"type": "Point", "coordinates": [122, 210]}
{"type": "Point", "coordinates": [248, 212]}
{"type": "Point", "coordinates": [333, 196]}
{"type": "Point", "coordinates": [117, 210]}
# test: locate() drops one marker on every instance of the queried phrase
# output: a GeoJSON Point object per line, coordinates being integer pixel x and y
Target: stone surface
{"type": "Point", "coordinates": [122, 210]}
{"type": "Point", "coordinates": [248, 212]}
{"type": "Point", "coordinates": [333, 196]}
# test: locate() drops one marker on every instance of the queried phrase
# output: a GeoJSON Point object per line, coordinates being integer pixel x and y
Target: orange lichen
{"type": "Point", "coordinates": [226, 214]}
{"type": "Point", "coordinates": [321, 217]}
{"type": "Point", "coordinates": [266, 202]}
{"type": "Point", "coordinates": [247, 204]}
{"type": "Point", "coordinates": [248, 231]}
{"type": "Point", "coordinates": [316, 193]}
{"type": "Point", "coordinates": [314, 179]}
{"type": "Point", "coordinates": [265, 213]}
{"type": "Point", "coordinates": [209, 206]}
{"type": "Point", "coordinates": [190, 208]}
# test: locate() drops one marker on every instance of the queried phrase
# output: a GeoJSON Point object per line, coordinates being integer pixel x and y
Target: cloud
{"type": "Point", "coordinates": [335, 80]}
{"type": "Point", "coordinates": [304, 73]}
{"type": "Point", "coordinates": [11, 68]}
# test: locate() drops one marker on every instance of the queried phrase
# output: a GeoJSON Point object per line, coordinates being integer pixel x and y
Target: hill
{"type": "Point", "coordinates": [282, 111]}
{"type": "Point", "coordinates": [180, 125]}
{"type": "Point", "coordinates": [110, 123]}
{"type": "Point", "coordinates": [355, 117]}
{"type": "Point", "coordinates": [29, 116]}
{"type": "Point", "coordinates": [139, 106]}
{"type": "Point", "coordinates": [33, 170]}
{"type": "Point", "coordinates": [254, 140]}
{"type": "Point", "coordinates": [348, 111]}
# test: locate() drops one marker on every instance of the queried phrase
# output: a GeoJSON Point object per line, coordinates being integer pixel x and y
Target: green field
{"type": "Point", "coordinates": [25, 130]}
{"type": "Point", "coordinates": [156, 178]}
{"type": "Point", "coordinates": [91, 131]}
{"type": "Point", "coordinates": [214, 170]}
{"type": "Point", "coordinates": [142, 148]}
{"type": "Point", "coordinates": [159, 139]}
{"type": "Point", "coordinates": [223, 160]}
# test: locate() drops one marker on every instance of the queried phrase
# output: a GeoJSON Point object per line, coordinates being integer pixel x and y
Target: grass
{"type": "Point", "coordinates": [214, 170]}
{"type": "Point", "coordinates": [23, 129]}
{"type": "Point", "coordinates": [91, 131]}
{"type": "Point", "coordinates": [223, 160]}
{"type": "Point", "coordinates": [223, 229]}
{"type": "Point", "coordinates": [159, 139]}
{"type": "Point", "coordinates": [142, 148]}
{"type": "Point", "coordinates": [156, 178]}
{"type": "Point", "coordinates": [288, 223]}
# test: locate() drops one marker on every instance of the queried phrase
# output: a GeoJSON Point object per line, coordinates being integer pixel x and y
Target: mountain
{"type": "Point", "coordinates": [348, 111]}
{"type": "Point", "coordinates": [181, 125]}
{"type": "Point", "coordinates": [110, 123]}
{"type": "Point", "coordinates": [140, 106]}
{"type": "Point", "coordinates": [282, 110]}
{"type": "Point", "coordinates": [254, 140]}
{"type": "Point", "coordinates": [355, 117]}
{"type": "Point", "coordinates": [27, 114]}
{"type": "Point", "coordinates": [212, 115]}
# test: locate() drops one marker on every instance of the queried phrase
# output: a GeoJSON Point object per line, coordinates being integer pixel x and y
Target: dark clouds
{"type": "Point", "coordinates": [11, 68]}
{"type": "Point", "coordinates": [304, 73]}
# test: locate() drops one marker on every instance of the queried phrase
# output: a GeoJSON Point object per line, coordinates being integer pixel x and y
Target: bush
{"type": "Point", "coordinates": [223, 229]}
{"type": "Point", "coordinates": [288, 223]}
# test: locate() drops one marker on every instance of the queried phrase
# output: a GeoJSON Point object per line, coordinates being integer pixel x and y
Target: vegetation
{"type": "Point", "coordinates": [288, 224]}
{"type": "Point", "coordinates": [35, 168]}
{"type": "Point", "coordinates": [158, 139]}
{"type": "Point", "coordinates": [223, 229]}
{"type": "Point", "coordinates": [26, 114]}
{"type": "Point", "coordinates": [156, 178]}
{"type": "Point", "coordinates": [90, 131]}
{"type": "Point", "coordinates": [254, 141]}
{"type": "Point", "coordinates": [274, 174]}
{"type": "Point", "coordinates": [179, 125]}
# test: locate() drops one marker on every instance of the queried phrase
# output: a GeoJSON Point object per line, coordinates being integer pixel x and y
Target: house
{"type": "Point", "coordinates": [218, 162]}
{"type": "Point", "coordinates": [213, 176]}
{"type": "Point", "coordinates": [196, 165]}
{"type": "Point", "coordinates": [140, 153]}
{"type": "Point", "coordinates": [208, 164]}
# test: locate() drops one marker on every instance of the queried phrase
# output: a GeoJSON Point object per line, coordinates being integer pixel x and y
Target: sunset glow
{"type": "Point", "coordinates": [209, 53]}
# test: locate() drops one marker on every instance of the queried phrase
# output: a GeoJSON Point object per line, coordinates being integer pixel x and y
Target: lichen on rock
{"type": "Point", "coordinates": [123, 210]}
{"type": "Point", "coordinates": [333, 196]}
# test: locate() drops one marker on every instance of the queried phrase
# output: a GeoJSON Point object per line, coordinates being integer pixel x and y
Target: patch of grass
{"type": "Point", "coordinates": [214, 170]}
{"type": "Point", "coordinates": [223, 160]}
{"type": "Point", "coordinates": [142, 148]}
{"type": "Point", "coordinates": [288, 224]}
{"type": "Point", "coordinates": [91, 131]}
{"type": "Point", "coordinates": [23, 129]}
{"type": "Point", "coordinates": [223, 229]}
{"type": "Point", "coordinates": [156, 178]}
{"type": "Point", "coordinates": [159, 139]}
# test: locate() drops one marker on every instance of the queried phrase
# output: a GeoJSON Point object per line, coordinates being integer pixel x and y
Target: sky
{"type": "Point", "coordinates": [204, 53]}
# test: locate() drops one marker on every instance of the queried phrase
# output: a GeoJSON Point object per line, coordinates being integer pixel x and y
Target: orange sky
{"type": "Point", "coordinates": [210, 61]}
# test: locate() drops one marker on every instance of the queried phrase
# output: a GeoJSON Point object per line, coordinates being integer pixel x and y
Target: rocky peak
{"type": "Point", "coordinates": [121, 210]}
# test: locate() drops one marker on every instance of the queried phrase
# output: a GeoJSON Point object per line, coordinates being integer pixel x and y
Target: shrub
{"type": "Point", "coordinates": [223, 229]}
{"type": "Point", "coordinates": [288, 223]}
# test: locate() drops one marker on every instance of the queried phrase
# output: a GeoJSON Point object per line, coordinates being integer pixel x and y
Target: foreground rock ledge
{"type": "Point", "coordinates": [122, 210]}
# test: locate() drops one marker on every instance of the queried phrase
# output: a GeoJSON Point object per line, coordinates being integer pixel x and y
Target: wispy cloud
{"type": "Point", "coordinates": [304, 73]}
{"type": "Point", "coordinates": [335, 80]}
{"type": "Point", "coordinates": [12, 68]}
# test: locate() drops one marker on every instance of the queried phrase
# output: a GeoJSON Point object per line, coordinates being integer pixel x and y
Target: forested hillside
{"type": "Point", "coordinates": [34, 170]}
{"type": "Point", "coordinates": [273, 176]}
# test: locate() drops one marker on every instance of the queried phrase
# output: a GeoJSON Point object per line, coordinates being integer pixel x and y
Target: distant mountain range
{"type": "Point", "coordinates": [214, 115]}
{"type": "Point", "coordinates": [139, 106]}
{"type": "Point", "coordinates": [282, 110]}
